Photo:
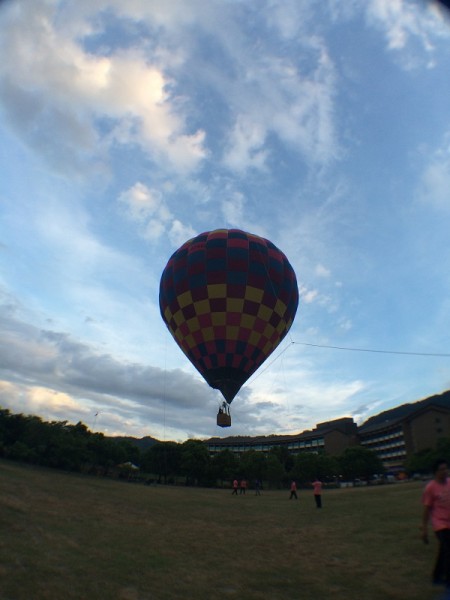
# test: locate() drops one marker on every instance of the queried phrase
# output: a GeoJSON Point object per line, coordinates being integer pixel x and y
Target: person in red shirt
{"type": "Point", "coordinates": [436, 503]}
{"type": "Point", "coordinates": [243, 486]}
{"type": "Point", "coordinates": [235, 487]}
{"type": "Point", "coordinates": [317, 486]}
{"type": "Point", "coordinates": [293, 491]}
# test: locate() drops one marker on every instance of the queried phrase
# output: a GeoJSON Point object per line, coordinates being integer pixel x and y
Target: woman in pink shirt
{"type": "Point", "coordinates": [317, 486]}
{"type": "Point", "coordinates": [436, 502]}
{"type": "Point", "coordinates": [293, 490]}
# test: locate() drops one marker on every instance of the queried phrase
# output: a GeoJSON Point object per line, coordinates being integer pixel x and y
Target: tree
{"type": "Point", "coordinates": [309, 466]}
{"type": "Point", "coordinates": [19, 451]}
{"type": "Point", "coordinates": [305, 467]}
{"type": "Point", "coordinates": [357, 462]}
{"type": "Point", "coordinates": [195, 462]}
{"type": "Point", "coordinates": [443, 449]}
{"type": "Point", "coordinates": [224, 465]}
{"type": "Point", "coordinates": [105, 453]}
{"type": "Point", "coordinates": [58, 444]}
{"type": "Point", "coordinates": [327, 466]}
{"type": "Point", "coordinates": [284, 456]}
{"type": "Point", "coordinates": [253, 465]}
{"type": "Point", "coordinates": [275, 470]}
{"type": "Point", "coordinates": [13, 427]}
{"type": "Point", "coordinates": [163, 459]}
{"type": "Point", "coordinates": [421, 462]}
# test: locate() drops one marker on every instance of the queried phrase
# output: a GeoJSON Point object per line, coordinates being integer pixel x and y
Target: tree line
{"type": "Point", "coordinates": [71, 447]}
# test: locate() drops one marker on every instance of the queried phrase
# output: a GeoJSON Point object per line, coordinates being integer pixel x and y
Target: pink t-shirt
{"type": "Point", "coordinates": [437, 497]}
{"type": "Point", "coordinates": [317, 485]}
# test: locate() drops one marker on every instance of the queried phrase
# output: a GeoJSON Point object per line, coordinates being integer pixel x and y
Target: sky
{"type": "Point", "coordinates": [127, 128]}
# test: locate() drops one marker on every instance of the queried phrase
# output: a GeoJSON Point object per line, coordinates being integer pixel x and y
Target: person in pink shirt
{"type": "Point", "coordinates": [293, 490]}
{"type": "Point", "coordinates": [436, 508]}
{"type": "Point", "coordinates": [317, 487]}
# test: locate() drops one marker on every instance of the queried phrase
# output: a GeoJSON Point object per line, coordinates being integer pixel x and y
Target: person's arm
{"type": "Point", "coordinates": [425, 520]}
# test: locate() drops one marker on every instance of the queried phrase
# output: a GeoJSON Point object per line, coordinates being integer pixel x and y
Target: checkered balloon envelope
{"type": "Point", "coordinates": [228, 298]}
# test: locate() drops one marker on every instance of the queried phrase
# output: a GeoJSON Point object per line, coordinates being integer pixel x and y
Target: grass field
{"type": "Point", "coordinates": [66, 536]}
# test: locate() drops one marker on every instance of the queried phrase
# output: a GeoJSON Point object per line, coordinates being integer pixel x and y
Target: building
{"type": "Point", "coordinates": [395, 439]}
{"type": "Point", "coordinates": [332, 437]}
{"type": "Point", "coordinates": [393, 435]}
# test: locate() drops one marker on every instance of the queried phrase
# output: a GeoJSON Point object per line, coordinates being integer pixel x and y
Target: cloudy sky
{"type": "Point", "coordinates": [128, 127]}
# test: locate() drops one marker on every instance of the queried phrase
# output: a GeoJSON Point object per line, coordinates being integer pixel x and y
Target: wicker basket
{"type": "Point", "coordinates": [223, 420]}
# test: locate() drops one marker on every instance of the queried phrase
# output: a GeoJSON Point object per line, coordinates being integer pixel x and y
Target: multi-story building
{"type": "Point", "coordinates": [393, 435]}
{"type": "Point", "coordinates": [397, 438]}
{"type": "Point", "coordinates": [333, 437]}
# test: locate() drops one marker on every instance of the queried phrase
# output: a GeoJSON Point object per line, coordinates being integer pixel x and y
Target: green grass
{"type": "Point", "coordinates": [66, 536]}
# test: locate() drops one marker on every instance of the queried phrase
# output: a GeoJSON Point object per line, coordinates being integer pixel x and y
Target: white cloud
{"type": "Point", "coordinates": [434, 189]}
{"type": "Point", "coordinates": [129, 95]}
{"type": "Point", "coordinates": [345, 324]}
{"type": "Point", "coordinates": [307, 296]}
{"type": "Point", "coordinates": [436, 185]}
{"type": "Point", "coordinates": [169, 15]}
{"type": "Point", "coordinates": [322, 271]}
{"type": "Point", "coordinates": [71, 248]}
{"type": "Point", "coordinates": [179, 233]}
{"type": "Point", "coordinates": [52, 374]}
{"type": "Point", "coordinates": [233, 209]}
{"type": "Point", "coordinates": [148, 208]}
{"type": "Point", "coordinates": [314, 403]}
{"type": "Point", "coordinates": [290, 17]}
{"type": "Point", "coordinates": [154, 230]}
{"type": "Point", "coordinates": [277, 98]}
{"type": "Point", "coordinates": [58, 96]}
{"type": "Point", "coordinates": [399, 19]}
{"type": "Point", "coordinates": [63, 375]}
{"type": "Point", "coordinates": [246, 145]}
{"type": "Point", "coordinates": [58, 403]}
{"type": "Point", "coordinates": [35, 400]}
{"type": "Point", "coordinates": [142, 202]}
{"type": "Point", "coordinates": [74, 274]}
{"type": "Point", "coordinates": [405, 23]}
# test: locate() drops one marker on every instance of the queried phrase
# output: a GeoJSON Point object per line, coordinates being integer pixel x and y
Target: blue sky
{"type": "Point", "coordinates": [129, 127]}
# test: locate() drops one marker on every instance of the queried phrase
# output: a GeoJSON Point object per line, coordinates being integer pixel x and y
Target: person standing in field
{"type": "Point", "coordinates": [257, 487]}
{"type": "Point", "coordinates": [293, 490]}
{"type": "Point", "coordinates": [317, 487]}
{"type": "Point", "coordinates": [235, 487]}
{"type": "Point", "coordinates": [243, 486]}
{"type": "Point", "coordinates": [436, 503]}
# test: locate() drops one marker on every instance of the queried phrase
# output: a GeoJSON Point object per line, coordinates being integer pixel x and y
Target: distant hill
{"type": "Point", "coordinates": [141, 443]}
{"type": "Point", "coordinates": [404, 410]}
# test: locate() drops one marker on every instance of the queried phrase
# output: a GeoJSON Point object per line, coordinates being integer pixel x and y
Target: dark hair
{"type": "Point", "coordinates": [437, 463]}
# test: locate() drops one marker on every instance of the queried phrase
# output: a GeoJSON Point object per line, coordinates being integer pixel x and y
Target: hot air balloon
{"type": "Point", "coordinates": [228, 298]}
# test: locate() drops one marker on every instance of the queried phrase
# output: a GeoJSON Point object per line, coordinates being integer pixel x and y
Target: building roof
{"type": "Point", "coordinates": [343, 425]}
{"type": "Point", "coordinates": [391, 418]}
{"type": "Point", "coordinates": [404, 410]}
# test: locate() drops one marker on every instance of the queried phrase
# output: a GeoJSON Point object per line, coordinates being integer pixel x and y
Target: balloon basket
{"type": "Point", "coordinates": [223, 419]}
